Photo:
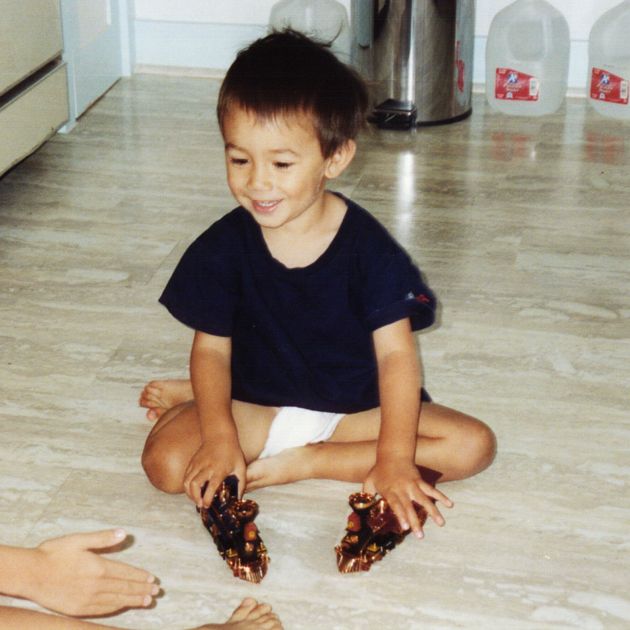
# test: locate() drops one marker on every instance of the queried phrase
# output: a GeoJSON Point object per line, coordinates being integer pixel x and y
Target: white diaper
{"type": "Point", "coordinates": [294, 426]}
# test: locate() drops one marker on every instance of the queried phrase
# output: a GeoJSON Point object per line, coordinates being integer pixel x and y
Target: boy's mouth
{"type": "Point", "coordinates": [265, 207]}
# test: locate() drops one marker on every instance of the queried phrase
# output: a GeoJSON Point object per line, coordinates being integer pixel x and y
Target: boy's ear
{"type": "Point", "coordinates": [339, 160]}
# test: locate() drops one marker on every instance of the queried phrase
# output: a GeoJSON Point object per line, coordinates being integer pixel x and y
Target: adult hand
{"type": "Point", "coordinates": [400, 484]}
{"type": "Point", "coordinates": [67, 576]}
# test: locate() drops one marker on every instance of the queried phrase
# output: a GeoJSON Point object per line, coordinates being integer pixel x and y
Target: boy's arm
{"type": "Point", "coordinates": [220, 453]}
{"type": "Point", "coordinates": [395, 475]}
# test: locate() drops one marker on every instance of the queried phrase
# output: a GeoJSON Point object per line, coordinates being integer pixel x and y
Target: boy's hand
{"type": "Point", "coordinates": [400, 484]}
{"type": "Point", "coordinates": [211, 464]}
{"type": "Point", "coordinates": [68, 577]}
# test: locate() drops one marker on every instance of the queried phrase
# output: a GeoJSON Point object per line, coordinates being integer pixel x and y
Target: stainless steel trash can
{"type": "Point", "coordinates": [417, 56]}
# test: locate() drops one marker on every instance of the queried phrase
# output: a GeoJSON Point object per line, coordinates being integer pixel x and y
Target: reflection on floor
{"type": "Point", "coordinates": [522, 226]}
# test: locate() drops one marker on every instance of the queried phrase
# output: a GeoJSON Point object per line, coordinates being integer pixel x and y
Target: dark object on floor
{"type": "Point", "coordinates": [230, 522]}
{"type": "Point", "coordinates": [392, 114]}
{"type": "Point", "coordinates": [372, 531]}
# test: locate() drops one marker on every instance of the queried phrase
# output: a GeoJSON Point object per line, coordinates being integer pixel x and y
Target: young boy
{"type": "Point", "coordinates": [303, 363]}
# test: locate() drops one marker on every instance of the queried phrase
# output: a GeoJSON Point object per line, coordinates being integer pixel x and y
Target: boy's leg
{"type": "Point", "coordinates": [175, 438]}
{"type": "Point", "coordinates": [452, 444]}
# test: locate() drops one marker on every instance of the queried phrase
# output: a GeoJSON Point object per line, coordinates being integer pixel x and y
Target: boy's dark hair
{"type": "Point", "coordinates": [286, 73]}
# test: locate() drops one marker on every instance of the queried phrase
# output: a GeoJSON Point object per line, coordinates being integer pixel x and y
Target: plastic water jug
{"type": "Point", "coordinates": [324, 20]}
{"type": "Point", "coordinates": [527, 59]}
{"type": "Point", "coordinates": [609, 63]}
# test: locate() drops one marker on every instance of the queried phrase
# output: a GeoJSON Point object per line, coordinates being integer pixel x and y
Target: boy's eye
{"type": "Point", "coordinates": [282, 165]}
{"type": "Point", "coordinates": [238, 161]}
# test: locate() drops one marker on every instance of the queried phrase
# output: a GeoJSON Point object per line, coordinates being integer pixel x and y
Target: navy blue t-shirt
{"type": "Point", "coordinates": [303, 336]}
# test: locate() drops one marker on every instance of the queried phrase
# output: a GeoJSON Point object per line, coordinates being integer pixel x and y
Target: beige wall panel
{"type": "Point", "coordinates": [30, 119]}
{"type": "Point", "coordinates": [30, 36]}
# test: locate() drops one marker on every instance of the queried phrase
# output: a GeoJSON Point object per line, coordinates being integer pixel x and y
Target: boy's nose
{"type": "Point", "coordinates": [259, 179]}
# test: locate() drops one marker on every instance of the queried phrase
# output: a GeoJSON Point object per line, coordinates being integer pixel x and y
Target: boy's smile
{"type": "Point", "coordinates": [276, 169]}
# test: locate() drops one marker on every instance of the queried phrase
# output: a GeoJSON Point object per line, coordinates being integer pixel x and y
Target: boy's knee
{"type": "Point", "coordinates": [481, 444]}
{"type": "Point", "coordinates": [163, 467]}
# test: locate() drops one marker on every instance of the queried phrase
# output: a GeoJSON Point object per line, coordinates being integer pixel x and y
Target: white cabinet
{"type": "Point", "coordinates": [33, 84]}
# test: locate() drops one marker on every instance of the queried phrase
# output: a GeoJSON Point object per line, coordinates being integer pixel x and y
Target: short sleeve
{"type": "Point", "coordinates": [392, 287]}
{"type": "Point", "coordinates": [203, 291]}
{"type": "Point", "coordinates": [396, 291]}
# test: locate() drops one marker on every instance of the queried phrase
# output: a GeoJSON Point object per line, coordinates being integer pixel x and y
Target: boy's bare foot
{"type": "Point", "coordinates": [290, 465]}
{"type": "Point", "coordinates": [160, 396]}
{"type": "Point", "coordinates": [250, 615]}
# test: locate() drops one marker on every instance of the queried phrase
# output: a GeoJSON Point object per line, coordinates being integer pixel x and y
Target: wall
{"type": "Point", "coordinates": [198, 33]}
{"type": "Point", "coordinates": [207, 33]}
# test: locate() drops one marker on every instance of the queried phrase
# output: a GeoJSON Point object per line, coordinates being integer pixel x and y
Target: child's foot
{"type": "Point", "coordinates": [250, 615]}
{"type": "Point", "coordinates": [160, 396]}
{"type": "Point", "coordinates": [290, 465]}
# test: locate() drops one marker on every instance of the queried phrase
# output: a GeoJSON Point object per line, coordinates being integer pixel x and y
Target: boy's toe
{"type": "Point", "coordinates": [244, 609]}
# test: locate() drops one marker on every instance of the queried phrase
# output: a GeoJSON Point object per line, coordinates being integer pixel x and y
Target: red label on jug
{"type": "Point", "coordinates": [608, 87]}
{"type": "Point", "coordinates": [512, 85]}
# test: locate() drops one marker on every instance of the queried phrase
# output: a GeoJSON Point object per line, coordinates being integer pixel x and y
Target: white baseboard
{"type": "Point", "coordinates": [179, 71]}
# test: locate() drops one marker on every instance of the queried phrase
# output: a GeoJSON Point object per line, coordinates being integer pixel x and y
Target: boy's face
{"type": "Point", "coordinates": [275, 168]}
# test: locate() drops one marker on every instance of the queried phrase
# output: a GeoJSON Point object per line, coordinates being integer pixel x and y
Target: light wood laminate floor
{"type": "Point", "coordinates": [522, 227]}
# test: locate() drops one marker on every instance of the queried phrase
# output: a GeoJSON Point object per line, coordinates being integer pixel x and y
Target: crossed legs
{"type": "Point", "coordinates": [450, 443]}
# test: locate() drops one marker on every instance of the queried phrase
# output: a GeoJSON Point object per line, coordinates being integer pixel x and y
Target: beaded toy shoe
{"type": "Point", "coordinates": [372, 531]}
{"type": "Point", "coordinates": [230, 522]}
